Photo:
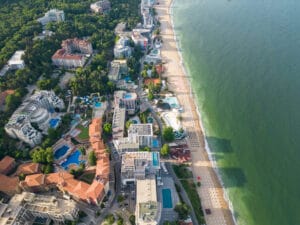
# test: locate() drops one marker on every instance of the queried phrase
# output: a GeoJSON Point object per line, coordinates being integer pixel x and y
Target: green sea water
{"type": "Point", "coordinates": [243, 57]}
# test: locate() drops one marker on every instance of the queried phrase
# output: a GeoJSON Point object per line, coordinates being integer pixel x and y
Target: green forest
{"type": "Point", "coordinates": [18, 26]}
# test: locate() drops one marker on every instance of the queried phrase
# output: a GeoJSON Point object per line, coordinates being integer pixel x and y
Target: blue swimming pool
{"type": "Point", "coordinates": [61, 151]}
{"type": "Point", "coordinates": [127, 79]}
{"type": "Point", "coordinates": [74, 158]}
{"type": "Point", "coordinates": [53, 123]}
{"type": "Point", "coordinates": [98, 104]}
{"type": "Point", "coordinates": [155, 159]}
{"type": "Point", "coordinates": [127, 96]}
{"type": "Point", "coordinates": [167, 198]}
{"type": "Point", "coordinates": [155, 143]}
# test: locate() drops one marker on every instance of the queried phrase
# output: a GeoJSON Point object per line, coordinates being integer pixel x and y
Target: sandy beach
{"type": "Point", "coordinates": [211, 191]}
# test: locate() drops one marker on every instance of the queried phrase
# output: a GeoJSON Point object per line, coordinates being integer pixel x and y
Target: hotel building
{"type": "Point", "coordinates": [139, 165]}
{"type": "Point", "coordinates": [37, 109]}
{"type": "Point", "coordinates": [141, 133]}
{"type": "Point", "coordinates": [148, 209]}
{"type": "Point", "coordinates": [126, 100]}
{"type": "Point", "coordinates": [122, 48]}
{"type": "Point", "coordinates": [53, 15]}
{"type": "Point", "coordinates": [24, 208]}
{"type": "Point", "coordinates": [65, 57]}
{"type": "Point", "coordinates": [100, 6]}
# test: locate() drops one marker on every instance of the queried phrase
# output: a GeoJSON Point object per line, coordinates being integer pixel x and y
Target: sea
{"type": "Point", "coordinates": [243, 61]}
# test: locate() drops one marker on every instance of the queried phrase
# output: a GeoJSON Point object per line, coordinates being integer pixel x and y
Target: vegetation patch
{"type": "Point", "coordinates": [84, 134]}
{"type": "Point", "coordinates": [191, 191]}
{"type": "Point", "coordinates": [88, 177]}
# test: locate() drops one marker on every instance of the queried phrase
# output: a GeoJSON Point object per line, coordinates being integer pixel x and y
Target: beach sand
{"type": "Point", "coordinates": [211, 191]}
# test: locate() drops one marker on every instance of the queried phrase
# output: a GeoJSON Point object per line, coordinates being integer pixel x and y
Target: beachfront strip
{"type": "Point", "coordinates": [211, 191]}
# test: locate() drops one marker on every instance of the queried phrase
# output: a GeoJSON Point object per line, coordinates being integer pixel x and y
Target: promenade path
{"type": "Point", "coordinates": [211, 192]}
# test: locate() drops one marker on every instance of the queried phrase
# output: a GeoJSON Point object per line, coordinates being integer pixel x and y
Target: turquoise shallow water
{"type": "Point", "coordinates": [244, 60]}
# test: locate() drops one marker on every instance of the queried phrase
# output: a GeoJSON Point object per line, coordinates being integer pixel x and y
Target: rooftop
{"type": "Point", "coordinates": [6, 163]}
{"type": "Point", "coordinates": [141, 129]}
{"type": "Point", "coordinates": [17, 58]}
{"type": "Point", "coordinates": [147, 207]}
{"type": "Point", "coordinates": [28, 168]}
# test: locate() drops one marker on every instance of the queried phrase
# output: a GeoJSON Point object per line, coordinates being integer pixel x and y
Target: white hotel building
{"type": "Point", "coordinates": [53, 15]}
{"type": "Point", "coordinates": [148, 209]}
{"type": "Point", "coordinates": [37, 109]}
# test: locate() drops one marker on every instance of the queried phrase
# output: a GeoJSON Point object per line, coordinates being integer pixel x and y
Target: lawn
{"type": "Point", "coordinates": [88, 178]}
{"type": "Point", "coordinates": [190, 188]}
{"type": "Point", "coordinates": [182, 171]}
{"type": "Point", "coordinates": [185, 175]}
{"type": "Point", "coordinates": [84, 134]}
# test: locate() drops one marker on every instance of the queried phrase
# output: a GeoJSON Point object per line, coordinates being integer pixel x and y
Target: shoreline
{"type": "Point", "coordinates": [212, 192]}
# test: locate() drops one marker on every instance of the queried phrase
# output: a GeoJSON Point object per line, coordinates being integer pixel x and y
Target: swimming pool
{"type": "Point", "coordinates": [127, 79]}
{"type": "Point", "coordinates": [155, 143]}
{"type": "Point", "coordinates": [53, 122]}
{"type": "Point", "coordinates": [98, 104]}
{"type": "Point", "coordinates": [150, 119]}
{"type": "Point", "coordinates": [72, 159]}
{"type": "Point", "coordinates": [167, 198]}
{"type": "Point", "coordinates": [155, 159]}
{"type": "Point", "coordinates": [172, 101]}
{"type": "Point", "coordinates": [61, 151]}
{"type": "Point", "coordinates": [127, 96]}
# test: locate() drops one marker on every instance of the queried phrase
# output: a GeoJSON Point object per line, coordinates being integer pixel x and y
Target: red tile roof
{"type": "Point", "coordinates": [4, 94]}
{"type": "Point", "coordinates": [28, 168]}
{"type": "Point", "coordinates": [35, 180]}
{"type": "Point", "coordinates": [8, 184]}
{"type": "Point", "coordinates": [62, 54]}
{"type": "Point", "coordinates": [6, 163]}
{"type": "Point", "coordinates": [154, 81]}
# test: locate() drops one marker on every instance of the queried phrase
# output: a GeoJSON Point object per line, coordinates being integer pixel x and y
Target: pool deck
{"type": "Point", "coordinates": [168, 213]}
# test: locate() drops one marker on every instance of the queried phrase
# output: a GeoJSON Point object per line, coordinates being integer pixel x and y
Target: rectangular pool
{"type": "Point", "coordinates": [167, 198]}
{"type": "Point", "coordinates": [155, 159]}
{"type": "Point", "coordinates": [61, 151]}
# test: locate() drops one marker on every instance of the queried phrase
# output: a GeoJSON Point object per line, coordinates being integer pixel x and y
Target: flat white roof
{"type": "Point", "coordinates": [17, 58]}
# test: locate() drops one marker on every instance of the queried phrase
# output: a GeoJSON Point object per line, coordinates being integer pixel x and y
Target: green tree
{"type": "Point", "coordinates": [168, 134]}
{"type": "Point", "coordinates": [82, 150]}
{"type": "Point", "coordinates": [132, 219]}
{"type": "Point", "coordinates": [150, 95]}
{"type": "Point", "coordinates": [128, 123]}
{"type": "Point", "coordinates": [165, 150]}
{"type": "Point", "coordinates": [44, 156]}
{"type": "Point", "coordinates": [110, 219]}
{"type": "Point", "coordinates": [92, 158]}
{"type": "Point", "coordinates": [107, 128]}
{"type": "Point", "coordinates": [182, 210]}
{"type": "Point", "coordinates": [146, 149]}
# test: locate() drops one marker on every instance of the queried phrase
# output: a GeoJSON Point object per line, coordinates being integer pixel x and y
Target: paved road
{"type": "Point", "coordinates": [182, 193]}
